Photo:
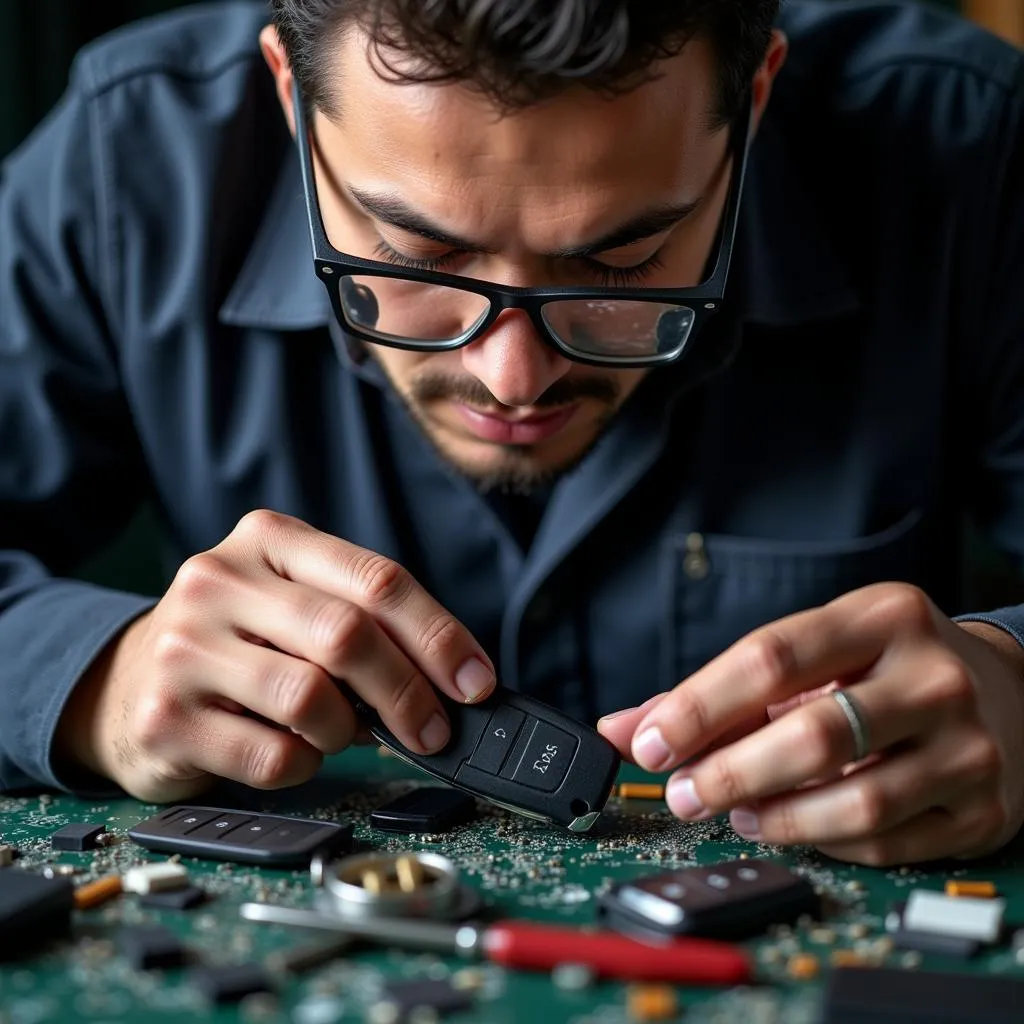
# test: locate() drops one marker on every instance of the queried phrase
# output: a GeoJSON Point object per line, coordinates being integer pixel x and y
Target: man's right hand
{"type": "Point", "coordinates": [233, 673]}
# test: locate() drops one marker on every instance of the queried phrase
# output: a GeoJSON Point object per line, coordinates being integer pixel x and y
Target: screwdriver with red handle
{"type": "Point", "coordinates": [539, 947]}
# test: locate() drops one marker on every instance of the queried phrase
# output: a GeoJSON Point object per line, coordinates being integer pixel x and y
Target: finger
{"type": "Point", "coordinates": [243, 750]}
{"type": "Point", "coordinates": [768, 666]}
{"type": "Point", "coordinates": [931, 835]}
{"type": "Point", "coordinates": [432, 637]}
{"type": "Point", "coordinates": [347, 643]}
{"type": "Point", "coordinates": [861, 804]}
{"type": "Point", "coordinates": [618, 728]}
{"type": "Point", "coordinates": [284, 690]}
{"type": "Point", "coordinates": [811, 742]}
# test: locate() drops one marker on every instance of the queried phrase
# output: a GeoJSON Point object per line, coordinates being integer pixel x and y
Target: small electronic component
{"type": "Point", "coordinates": [149, 878]}
{"type": "Point", "coordinates": [640, 791]}
{"type": "Point", "coordinates": [405, 885]}
{"type": "Point", "coordinates": [651, 1003]}
{"type": "Point", "coordinates": [963, 887]}
{"type": "Point", "coordinates": [151, 947]}
{"type": "Point", "coordinates": [8, 854]}
{"type": "Point", "coordinates": [886, 995]}
{"type": "Point", "coordinates": [95, 894]}
{"type": "Point", "coordinates": [427, 809]}
{"type": "Point", "coordinates": [933, 942]}
{"type": "Point", "coordinates": [437, 996]}
{"type": "Point", "coordinates": [232, 983]}
{"type": "Point", "coordinates": [731, 900]}
{"type": "Point", "coordinates": [175, 899]}
{"type": "Point", "coordinates": [803, 966]}
{"type": "Point", "coordinates": [240, 836]}
{"type": "Point", "coordinates": [32, 908]}
{"type": "Point", "coordinates": [77, 837]}
{"type": "Point", "coordinates": [963, 916]}
{"type": "Point", "coordinates": [308, 956]}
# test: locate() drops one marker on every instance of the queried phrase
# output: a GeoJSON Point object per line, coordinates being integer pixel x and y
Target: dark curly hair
{"type": "Point", "coordinates": [520, 52]}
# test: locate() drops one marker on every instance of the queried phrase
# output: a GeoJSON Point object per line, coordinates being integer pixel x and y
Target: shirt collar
{"type": "Point", "coordinates": [277, 288]}
{"type": "Point", "coordinates": [785, 269]}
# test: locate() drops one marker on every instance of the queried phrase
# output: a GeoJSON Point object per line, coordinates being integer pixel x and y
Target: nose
{"type": "Point", "coordinates": [512, 362]}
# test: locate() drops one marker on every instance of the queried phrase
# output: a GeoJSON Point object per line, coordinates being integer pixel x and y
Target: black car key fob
{"type": "Point", "coordinates": [519, 753]}
{"type": "Point", "coordinates": [243, 837]}
{"type": "Point", "coordinates": [732, 900]}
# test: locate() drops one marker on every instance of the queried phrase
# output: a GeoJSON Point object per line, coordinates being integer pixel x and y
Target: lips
{"type": "Point", "coordinates": [530, 429]}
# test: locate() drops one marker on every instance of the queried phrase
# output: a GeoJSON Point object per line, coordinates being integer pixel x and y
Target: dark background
{"type": "Point", "coordinates": [38, 41]}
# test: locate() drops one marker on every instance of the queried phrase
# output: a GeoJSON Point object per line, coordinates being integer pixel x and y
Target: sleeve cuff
{"type": "Point", "coordinates": [48, 639]}
{"type": "Point", "coordinates": [1009, 620]}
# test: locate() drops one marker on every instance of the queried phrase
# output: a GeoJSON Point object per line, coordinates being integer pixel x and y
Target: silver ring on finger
{"type": "Point", "coordinates": [858, 723]}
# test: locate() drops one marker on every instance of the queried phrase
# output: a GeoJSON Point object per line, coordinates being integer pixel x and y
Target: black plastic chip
{"type": "Point", "coordinates": [426, 809]}
{"type": "Point", "coordinates": [231, 984]}
{"type": "Point", "coordinates": [32, 908]}
{"type": "Point", "coordinates": [150, 947]}
{"type": "Point", "coordinates": [78, 837]}
{"type": "Point", "coordinates": [935, 942]}
{"type": "Point", "coordinates": [175, 899]}
{"type": "Point", "coordinates": [440, 996]}
{"type": "Point", "coordinates": [887, 995]}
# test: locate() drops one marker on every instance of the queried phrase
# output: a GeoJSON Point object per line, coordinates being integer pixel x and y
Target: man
{"type": "Point", "coordinates": [510, 424]}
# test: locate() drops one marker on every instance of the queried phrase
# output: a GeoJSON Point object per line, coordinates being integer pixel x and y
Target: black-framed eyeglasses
{"type": "Point", "coordinates": [433, 311]}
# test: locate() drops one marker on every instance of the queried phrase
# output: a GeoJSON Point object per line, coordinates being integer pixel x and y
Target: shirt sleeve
{"type": "Point", "coordinates": [71, 474]}
{"type": "Point", "coordinates": [993, 356]}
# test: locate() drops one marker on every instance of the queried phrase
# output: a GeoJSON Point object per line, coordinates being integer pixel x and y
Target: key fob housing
{"type": "Point", "coordinates": [519, 753]}
{"type": "Point", "coordinates": [732, 900]}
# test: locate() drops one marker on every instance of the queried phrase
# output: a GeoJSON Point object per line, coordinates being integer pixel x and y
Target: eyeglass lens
{"type": "Point", "coordinates": [418, 312]}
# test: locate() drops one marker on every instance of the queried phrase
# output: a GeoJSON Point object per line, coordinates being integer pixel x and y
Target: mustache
{"type": "Point", "coordinates": [470, 391]}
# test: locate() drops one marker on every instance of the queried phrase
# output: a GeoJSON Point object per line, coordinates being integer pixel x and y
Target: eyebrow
{"type": "Point", "coordinates": [395, 211]}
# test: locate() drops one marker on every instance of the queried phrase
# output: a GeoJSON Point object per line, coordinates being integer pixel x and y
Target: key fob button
{"type": "Point", "coordinates": [497, 739]}
{"type": "Point", "coordinates": [546, 759]}
{"type": "Point", "coordinates": [286, 837]}
{"type": "Point", "coordinates": [189, 821]}
{"type": "Point", "coordinates": [220, 826]}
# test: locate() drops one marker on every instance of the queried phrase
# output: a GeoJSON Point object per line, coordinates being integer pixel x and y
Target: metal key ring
{"type": "Point", "coordinates": [372, 885]}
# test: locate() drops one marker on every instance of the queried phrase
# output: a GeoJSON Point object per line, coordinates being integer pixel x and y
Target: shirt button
{"type": "Point", "coordinates": [696, 563]}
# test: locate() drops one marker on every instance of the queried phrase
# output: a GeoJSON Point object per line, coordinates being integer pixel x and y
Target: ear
{"type": "Point", "coordinates": [761, 86]}
{"type": "Point", "coordinates": [277, 60]}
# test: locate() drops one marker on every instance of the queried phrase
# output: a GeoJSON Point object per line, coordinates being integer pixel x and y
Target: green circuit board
{"type": "Point", "coordinates": [521, 868]}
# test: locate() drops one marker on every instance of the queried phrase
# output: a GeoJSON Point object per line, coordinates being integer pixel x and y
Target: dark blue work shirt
{"type": "Point", "coordinates": [163, 338]}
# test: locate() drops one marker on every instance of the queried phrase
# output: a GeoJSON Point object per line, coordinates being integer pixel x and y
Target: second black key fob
{"type": "Point", "coordinates": [519, 753]}
{"type": "Point", "coordinates": [244, 837]}
{"type": "Point", "coordinates": [732, 900]}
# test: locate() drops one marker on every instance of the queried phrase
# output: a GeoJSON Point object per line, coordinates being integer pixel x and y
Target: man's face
{"type": "Point", "coordinates": [432, 176]}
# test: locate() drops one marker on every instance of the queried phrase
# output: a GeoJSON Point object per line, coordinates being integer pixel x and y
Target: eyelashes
{"type": "Point", "coordinates": [606, 276]}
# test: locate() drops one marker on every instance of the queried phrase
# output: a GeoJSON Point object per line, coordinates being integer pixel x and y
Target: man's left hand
{"type": "Point", "coordinates": [943, 707]}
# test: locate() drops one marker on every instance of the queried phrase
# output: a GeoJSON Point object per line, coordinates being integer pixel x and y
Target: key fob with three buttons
{"type": "Point", "coordinates": [243, 837]}
{"type": "Point", "coordinates": [732, 900]}
{"type": "Point", "coordinates": [520, 753]}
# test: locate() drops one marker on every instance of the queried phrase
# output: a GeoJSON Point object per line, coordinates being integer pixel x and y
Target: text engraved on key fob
{"type": "Point", "coordinates": [497, 739]}
{"type": "Point", "coordinates": [546, 759]}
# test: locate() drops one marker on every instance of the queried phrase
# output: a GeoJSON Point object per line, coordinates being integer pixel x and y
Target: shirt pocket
{"type": "Point", "coordinates": [724, 587]}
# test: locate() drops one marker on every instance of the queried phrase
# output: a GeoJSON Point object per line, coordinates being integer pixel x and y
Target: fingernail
{"type": "Point", "coordinates": [651, 751]}
{"type": "Point", "coordinates": [745, 822]}
{"type": "Point", "coordinates": [617, 714]}
{"type": "Point", "coordinates": [435, 733]}
{"type": "Point", "coordinates": [681, 797]}
{"type": "Point", "coordinates": [473, 678]}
